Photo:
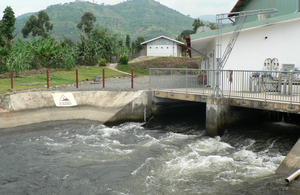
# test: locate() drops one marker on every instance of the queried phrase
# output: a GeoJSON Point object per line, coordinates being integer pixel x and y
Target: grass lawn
{"type": "Point", "coordinates": [127, 68]}
{"type": "Point", "coordinates": [56, 78]}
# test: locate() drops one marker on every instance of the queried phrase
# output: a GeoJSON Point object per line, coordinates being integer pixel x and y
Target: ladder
{"type": "Point", "coordinates": [221, 61]}
{"type": "Point", "coordinates": [242, 15]}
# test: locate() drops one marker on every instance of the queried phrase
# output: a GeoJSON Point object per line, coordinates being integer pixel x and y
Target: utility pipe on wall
{"type": "Point", "coordinates": [293, 176]}
{"type": "Point", "coordinates": [298, 6]}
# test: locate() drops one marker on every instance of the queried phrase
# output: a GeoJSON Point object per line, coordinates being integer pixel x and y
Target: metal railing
{"type": "Point", "coordinates": [281, 86]}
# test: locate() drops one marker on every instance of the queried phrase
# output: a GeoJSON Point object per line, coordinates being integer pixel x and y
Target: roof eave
{"type": "Point", "coordinates": [238, 5]}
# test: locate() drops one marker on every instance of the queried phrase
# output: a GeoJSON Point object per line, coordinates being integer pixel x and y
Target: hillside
{"type": "Point", "coordinates": [146, 18]}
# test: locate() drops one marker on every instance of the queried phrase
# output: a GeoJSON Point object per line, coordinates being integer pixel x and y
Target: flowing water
{"type": "Point", "coordinates": [167, 156]}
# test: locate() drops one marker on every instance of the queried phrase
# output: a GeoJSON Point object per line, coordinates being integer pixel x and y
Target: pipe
{"type": "Point", "coordinates": [284, 86]}
{"type": "Point", "coordinates": [293, 176]}
{"type": "Point", "coordinates": [298, 6]}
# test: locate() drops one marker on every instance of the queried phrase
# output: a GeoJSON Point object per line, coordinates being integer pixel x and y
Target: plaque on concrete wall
{"type": "Point", "coordinates": [64, 99]}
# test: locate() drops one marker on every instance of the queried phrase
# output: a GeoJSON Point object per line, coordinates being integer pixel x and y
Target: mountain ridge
{"type": "Point", "coordinates": [146, 18]}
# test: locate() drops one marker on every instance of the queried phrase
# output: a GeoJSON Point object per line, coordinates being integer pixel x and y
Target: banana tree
{"type": "Point", "coordinates": [41, 48]}
{"type": "Point", "coordinates": [18, 59]}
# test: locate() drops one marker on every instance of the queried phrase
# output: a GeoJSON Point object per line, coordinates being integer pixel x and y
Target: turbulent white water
{"type": "Point", "coordinates": [131, 159]}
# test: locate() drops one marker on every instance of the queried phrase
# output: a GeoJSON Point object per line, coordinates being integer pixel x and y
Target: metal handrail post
{"type": "Point", "coordinates": [186, 81]}
{"type": "Point", "coordinates": [150, 80]}
{"type": "Point", "coordinates": [157, 79]}
{"type": "Point", "coordinates": [203, 81]}
{"type": "Point", "coordinates": [243, 85]}
{"type": "Point", "coordinates": [291, 89]}
{"type": "Point", "coordinates": [171, 80]}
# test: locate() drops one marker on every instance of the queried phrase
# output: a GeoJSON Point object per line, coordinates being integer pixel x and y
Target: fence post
{"type": "Point", "coordinates": [76, 77]}
{"type": "Point", "coordinates": [11, 79]}
{"type": "Point", "coordinates": [131, 78]}
{"type": "Point", "coordinates": [47, 78]}
{"type": "Point", "coordinates": [103, 71]}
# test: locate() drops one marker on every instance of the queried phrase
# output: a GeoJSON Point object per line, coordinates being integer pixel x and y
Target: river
{"type": "Point", "coordinates": [168, 155]}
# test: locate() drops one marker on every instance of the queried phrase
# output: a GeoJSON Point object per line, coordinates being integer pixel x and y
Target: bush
{"type": "Point", "coordinates": [102, 62]}
{"type": "Point", "coordinates": [123, 59]}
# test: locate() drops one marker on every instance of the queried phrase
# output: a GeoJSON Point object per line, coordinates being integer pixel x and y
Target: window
{"type": "Point", "coordinates": [162, 47]}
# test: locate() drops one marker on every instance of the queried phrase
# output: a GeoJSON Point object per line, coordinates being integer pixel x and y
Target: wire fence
{"type": "Point", "coordinates": [283, 86]}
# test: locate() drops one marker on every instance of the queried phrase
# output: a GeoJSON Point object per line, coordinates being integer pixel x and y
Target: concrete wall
{"type": "Point", "coordinates": [102, 106]}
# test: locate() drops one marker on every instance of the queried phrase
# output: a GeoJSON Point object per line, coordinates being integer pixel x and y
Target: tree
{"type": "Point", "coordinates": [2, 42]}
{"type": "Point", "coordinates": [38, 26]}
{"type": "Point", "coordinates": [138, 42]}
{"type": "Point", "coordinates": [127, 41]}
{"type": "Point", "coordinates": [132, 46]}
{"type": "Point", "coordinates": [186, 33]}
{"type": "Point", "coordinates": [212, 26]}
{"type": "Point", "coordinates": [87, 22]}
{"type": "Point", "coordinates": [179, 38]}
{"type": "Point", "coordinates": [7, 26]}
{"type": "Point", "coordinates": [197, 23]}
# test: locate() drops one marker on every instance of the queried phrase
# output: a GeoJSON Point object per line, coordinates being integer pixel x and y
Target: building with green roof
{"type": "Point", "coordinates": [263, 36]}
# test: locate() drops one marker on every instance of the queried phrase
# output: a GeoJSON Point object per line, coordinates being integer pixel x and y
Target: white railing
{"type": "Point", "coordinates": [280, 86]}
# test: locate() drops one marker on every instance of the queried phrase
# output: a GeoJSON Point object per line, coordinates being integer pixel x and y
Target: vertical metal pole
{"type": "Point", "coordinates": [171, 80]}
{"type": "Point", "coordinates": [76, 77]}
{"type": "Point", "coordinates": [131, 78]}
{"type": "Point", "coordinates": [186, 81]}
{"type": "Point", "coordinates": [243, 85]}
{"type": "Point", "coordinates": [103, 72]}
{"type": "Point", "coordinates": [291, 88]}
{"type": "Point", "coordinates": [157, 79]}
{"type": "Point", "coordinates": [203, 80]}
{"type": "Point", "coordinates": [47, 78]}
{"type": "Point", "coordinates": [219, 53]}
{"type": "Point", "coordinates": [11, 79]}
{"type": "Point", "coordinates": [150, 73]}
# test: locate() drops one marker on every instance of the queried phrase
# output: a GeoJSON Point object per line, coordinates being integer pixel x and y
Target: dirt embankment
{"type": "Point", "coordinates": [165, 62]}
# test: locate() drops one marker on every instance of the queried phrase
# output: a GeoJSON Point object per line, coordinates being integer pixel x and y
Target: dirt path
{"type": "Point", "coordinates": [113, 66]}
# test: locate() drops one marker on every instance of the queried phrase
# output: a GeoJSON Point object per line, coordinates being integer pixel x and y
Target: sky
{"type": "Point", "coordinates": [194, 8]}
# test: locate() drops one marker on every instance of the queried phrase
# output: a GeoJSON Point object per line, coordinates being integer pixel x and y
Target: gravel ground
{"type": "Point", "coordinates": [116, 84]}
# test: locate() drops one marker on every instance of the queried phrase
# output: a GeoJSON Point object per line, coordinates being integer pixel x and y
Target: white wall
{"type": "Point", "coordinates": [252, 47]}
{"type": "Point", "coordinates": [163, 47]}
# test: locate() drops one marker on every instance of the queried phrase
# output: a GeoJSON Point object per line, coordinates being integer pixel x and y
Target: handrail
{"type": "Point", "coordinates": [265, 86]}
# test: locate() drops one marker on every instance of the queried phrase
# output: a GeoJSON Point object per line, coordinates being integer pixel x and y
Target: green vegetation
{"type": "Point", "coordinates": [142, 67]}
{"type": "Point", "coordinates": [37, 26]}
{"type": "Point", "coordinates": [123, 59]}
{"type": "Point", "coordinates": [137, 71]}
{"type": "Point", "coordinates": [87, 22]}
{"type": "Point", "coordinates": [146, 18]}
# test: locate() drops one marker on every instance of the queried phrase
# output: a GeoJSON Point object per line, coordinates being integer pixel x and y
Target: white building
{"type": "Point", "coordinates": [263, 36]}
{"type": "Point", "coordinates": [164, 46]}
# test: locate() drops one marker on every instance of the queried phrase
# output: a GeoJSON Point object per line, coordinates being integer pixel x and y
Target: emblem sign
{"type": "Point", "coordinates": [64, 99]}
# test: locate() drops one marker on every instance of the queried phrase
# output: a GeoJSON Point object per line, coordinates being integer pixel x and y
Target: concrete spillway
{"type": "Point", "coordinates": [103, 106]}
